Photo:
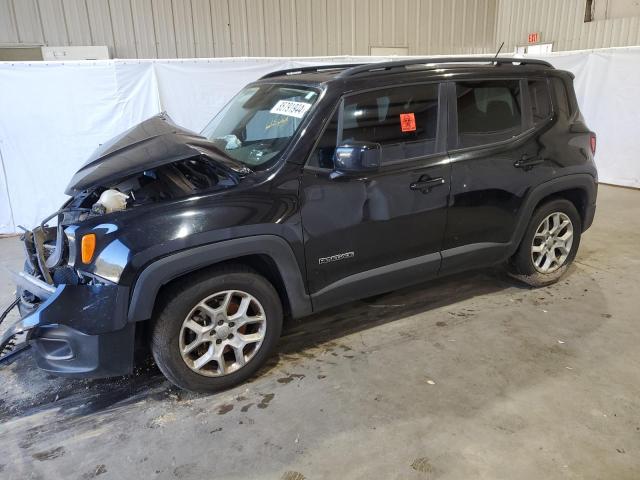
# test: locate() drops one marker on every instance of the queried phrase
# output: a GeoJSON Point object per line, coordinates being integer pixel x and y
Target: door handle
{"type": "Point", "coordinates": [426, 185]}
{"type": "Point", "coordinates": [527, 162]}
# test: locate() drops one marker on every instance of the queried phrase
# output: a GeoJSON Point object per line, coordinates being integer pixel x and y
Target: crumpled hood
{"type": "Point", "coordinates": [155, 142]}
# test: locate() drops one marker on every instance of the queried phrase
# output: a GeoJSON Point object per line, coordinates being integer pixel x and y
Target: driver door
{"type": "Point", "coordinates": [366, 233]}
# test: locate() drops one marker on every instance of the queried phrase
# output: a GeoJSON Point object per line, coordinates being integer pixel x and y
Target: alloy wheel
{"type": "Point", "coordinates": [552, 242]}
{"type": "Point", "coordinates": [222, 333]}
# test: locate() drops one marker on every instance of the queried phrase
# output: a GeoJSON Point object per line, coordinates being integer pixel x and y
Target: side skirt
{"type": "Point", "coordinates": [475, 255]}
{"type": "Point", "coordinates": [377, 280]}
{"type": "Point", "coordinates": [409, 272]}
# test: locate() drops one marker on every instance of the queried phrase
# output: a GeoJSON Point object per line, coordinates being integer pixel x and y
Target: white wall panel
{"type": "Point", "coordinates": [183, 24]}
{"type": "Point", "coordinates": [562, 23]}
{"type": "Point", "coordinates": [304, 25]}
{"type": "Point", "coordinates": [273, 28]}
{"type": "Point", "coordinates": [124, 37]}
{"type": "Point", "coordinates": [347, 17]}
{"type": "Point", "coordinates": [375, 22]}
{"type": "Point", "coordinates": [399, 23]}
{"type": "Point", "coordinates": [143, 29]}
{"type": "Point", "coordinates": [334, 27]}
{"type": "Point", "coordinates": [100, 23]}
{"type": "Point", "coordinates": [164, 28]}
{"type": "Point", "coordinates": [8, 29]}
{"type": "Point", "coordinates": [288, 26]}
{"type": "Point", "coordinates": [221, 27]}
{"type": "Point", "coordinates": [27, 17]}
{"type": "Point", "coordinates": [202, 32]}
{"type": "Point", "coordinates": [238, 28]}
{"type": "Point", "coordinates": [77, 21]}
{"type": "Point", "coordinates": [256, 28]}
{"type": "Point", "coordinates": [206, 28]}
{"type": "Point", "coordinates": [53, 22]}
{"type": "Point", "coordinates": [361, 27]}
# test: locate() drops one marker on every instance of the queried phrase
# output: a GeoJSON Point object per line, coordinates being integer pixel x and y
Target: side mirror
{"type": "Point", "coordinates": [355, 157]}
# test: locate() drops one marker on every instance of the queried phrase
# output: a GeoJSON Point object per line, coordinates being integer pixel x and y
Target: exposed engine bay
{"type": "Point", "coordinates": [47, 247]}
{"type": "Point", "coordinates": [163, 183]}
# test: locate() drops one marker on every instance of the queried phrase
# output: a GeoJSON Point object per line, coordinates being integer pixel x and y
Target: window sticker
{"type": "Point", "coordinates": [291, 109]}
{"type": "Point", "coordinates": [408, 122]}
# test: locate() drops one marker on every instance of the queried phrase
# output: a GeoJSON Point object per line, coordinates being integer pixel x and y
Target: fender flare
{"type": "Point", "coordinates": [580, 181]}
{"type": "Point", "coordinates": [168, 268]}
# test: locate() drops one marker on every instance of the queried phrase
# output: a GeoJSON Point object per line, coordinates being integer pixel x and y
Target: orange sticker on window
{"type": "Point", "coordinates": [408, 122]}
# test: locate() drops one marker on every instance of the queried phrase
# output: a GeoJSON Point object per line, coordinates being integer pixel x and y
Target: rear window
{"type": "Point", "coordinates": [488, 111]}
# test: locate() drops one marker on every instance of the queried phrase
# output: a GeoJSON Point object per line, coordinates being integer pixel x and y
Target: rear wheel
{"type": "Point", "coordinates": [216, 330]}
{"type": "Point", "coordinates": [549, 245]}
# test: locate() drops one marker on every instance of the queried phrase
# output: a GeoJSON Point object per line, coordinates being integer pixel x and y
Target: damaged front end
{"type": "Point", "coordinates": [73, 308]}
{"type": "Point", "coordinates": [73, 321]}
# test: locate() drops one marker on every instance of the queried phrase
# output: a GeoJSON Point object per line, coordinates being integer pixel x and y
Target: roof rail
{"type": "Point", "coordinates": [314, 69]}
{"type": "Point", "coordinates": [431, 62]}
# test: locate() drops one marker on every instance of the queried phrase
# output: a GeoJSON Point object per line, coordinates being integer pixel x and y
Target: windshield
{"type": "Point", "coordinates": [256, 126]}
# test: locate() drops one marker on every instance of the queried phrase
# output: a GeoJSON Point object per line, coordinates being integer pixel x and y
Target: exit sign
{"type": "Point", "coordinates": [534, 37]}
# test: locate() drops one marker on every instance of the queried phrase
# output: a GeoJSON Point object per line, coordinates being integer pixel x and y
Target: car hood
{"type": "Point", "coordinates": [155, 142]}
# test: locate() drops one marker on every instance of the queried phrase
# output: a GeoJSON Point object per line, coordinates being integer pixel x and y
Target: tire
{"type": "Point", "coordinates": [529, 266]}
{"type": "Point", "coordinates": [218, 329]}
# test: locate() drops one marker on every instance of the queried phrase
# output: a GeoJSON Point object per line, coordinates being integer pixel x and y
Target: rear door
{"type": "Point", "coordinates": [376, 232]}
{"type": "Point", "coordinates": [497, 155]}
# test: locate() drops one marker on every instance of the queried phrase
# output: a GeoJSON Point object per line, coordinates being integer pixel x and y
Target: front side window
{"type": "Point", "coordinates": [488, 111]}
{"type": "Point", "coordinates": [403, 120]}
{"type": "Point", "coordinates": [258, 123]}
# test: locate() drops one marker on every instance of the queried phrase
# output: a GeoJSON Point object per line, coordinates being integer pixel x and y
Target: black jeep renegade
{"type": "Point", "coordinates": [311, 188]}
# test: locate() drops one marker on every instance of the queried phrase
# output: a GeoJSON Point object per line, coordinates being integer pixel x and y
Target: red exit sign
{"type": "Point", "coordinates": [534, 37]}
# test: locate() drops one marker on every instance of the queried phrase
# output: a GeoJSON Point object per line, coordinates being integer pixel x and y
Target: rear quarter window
{"type": "Point", "coordinates": [562, 97]}
{"type": "Point", "coordinates": [539, 100]}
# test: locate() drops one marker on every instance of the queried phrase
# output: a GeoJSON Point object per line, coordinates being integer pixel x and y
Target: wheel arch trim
{"type": "Point", "coordinates": [580, 181]}
{"type": "Point", "coordinates": [166, 269]}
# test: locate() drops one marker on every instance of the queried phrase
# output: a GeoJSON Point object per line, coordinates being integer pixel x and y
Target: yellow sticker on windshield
{"type": "Point", "coordinates": [291, 109]}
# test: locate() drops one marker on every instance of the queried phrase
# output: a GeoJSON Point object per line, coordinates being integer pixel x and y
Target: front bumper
{"type": "Point", "coordinates": [78, 330]}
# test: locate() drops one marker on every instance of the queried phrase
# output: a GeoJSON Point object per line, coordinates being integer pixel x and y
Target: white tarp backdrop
{"type": "Point", "coordinates": [54, 114]}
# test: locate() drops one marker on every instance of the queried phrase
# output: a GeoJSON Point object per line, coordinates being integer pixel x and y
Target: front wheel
{"type": "Point", "coordinates": [217, 329]}
{"type": "Point", "coordinates": [549, 245]}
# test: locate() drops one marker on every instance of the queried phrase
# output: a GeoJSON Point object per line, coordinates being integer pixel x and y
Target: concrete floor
{"type": "Point", "coordinates": [473, 376]}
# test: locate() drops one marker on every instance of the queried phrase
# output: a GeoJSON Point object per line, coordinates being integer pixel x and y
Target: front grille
{"type": "Point", "coordinates": [46, 249]}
